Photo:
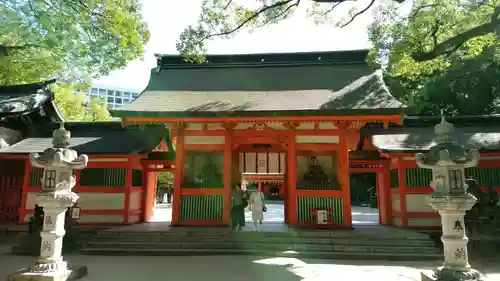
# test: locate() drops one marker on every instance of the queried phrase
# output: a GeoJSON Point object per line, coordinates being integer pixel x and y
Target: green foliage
{"type": "Point", "coordinates": [464, 80]}
{"type": "Point", "coordinates": [40, 39]}
{"type": "Point", "coordinates": [72, 106]}
{"type": "Point", "coordinates": [165, 179]}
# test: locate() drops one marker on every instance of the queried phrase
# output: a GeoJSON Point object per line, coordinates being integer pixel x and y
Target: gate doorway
{"type": "Point", "coordinates": [374, 180]}
{"type": "Point", "coordinates": [276, 209]}
{"type": "Point", "coordinates": [364, 199]}
{"type": "Point", "coordinates": [11, 184]}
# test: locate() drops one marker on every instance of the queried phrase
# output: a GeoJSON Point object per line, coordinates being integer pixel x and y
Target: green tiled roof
{"type": "Point", "coordinates": [302, 91]}
{"type": "Point", "coordinates": [324, 86]}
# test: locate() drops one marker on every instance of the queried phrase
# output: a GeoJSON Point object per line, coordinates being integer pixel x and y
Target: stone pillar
{"type": "Point", "coordinates": [450, 198]}
{"type": "Point", "coordinates": [58, 164]}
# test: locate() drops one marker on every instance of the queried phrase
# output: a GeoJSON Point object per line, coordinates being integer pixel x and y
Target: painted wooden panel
{"type": "Point", "coordinates": [273, 163]}
{"type": "Point", "coordinates": [259, 162]}
{"type": "Point", "coordinates": [418, 177]}
{"type": "Point", "coordinates": [306, 204]}
{"type": "Point", "coordinates": [250, 163]}
{"type": "Point", "coordinates": [203, 169]}
{"type": "Point", "coordinates": [262, 163]}
{"type": "Point", "coordinates": [282, 163]}
{"type": "Point", "coordinates": [201, 207]}
{"type": "Point", "coordinates": [102, 177]}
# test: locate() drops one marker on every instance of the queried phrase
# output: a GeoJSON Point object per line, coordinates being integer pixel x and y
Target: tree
{"type": "Point", "coordinates": [72, 107]}
{"type": "Point", "coordinates": [40, 39]}
{"type": "Point", "coordinates": [225, 18]}
{"type": "Point", "coordinates": [97, 111]}
{"type": "Point", "coordinates": [464, 81]}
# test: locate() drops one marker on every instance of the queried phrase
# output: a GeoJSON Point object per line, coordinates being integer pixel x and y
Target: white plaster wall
{"type": "Point", "coordinates": [89, 201]}
{"type": "Point", "coordinates": [417, 203]}
{"type": "Point", "coordinates": [101, 201]}
{"type": "Point", "coordinates": [101, 218]}
{"type": "Point", "coordinates": [135, 200]}
{"type": "Point", "coordinates": [317, 139]}
{"type": "Point", "coordinates": [424, 221]}
{"type": "Point", "coordinates": [204, 139]}
{"type": "Point", "coordinates": [396, 202]}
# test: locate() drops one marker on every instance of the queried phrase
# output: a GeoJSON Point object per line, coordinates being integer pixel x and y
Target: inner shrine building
{"type": "Point", "coordinates": [303, 121]}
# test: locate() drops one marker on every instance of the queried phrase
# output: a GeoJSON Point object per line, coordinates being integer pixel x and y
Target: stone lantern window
{"type": "Point", "coordinates": [456, 181]}
{"type": "Point", "coordinates": [49, 179]}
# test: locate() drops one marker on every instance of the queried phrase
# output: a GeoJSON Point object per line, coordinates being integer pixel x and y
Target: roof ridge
{"type": "Point", "coordinates": [231, 60]}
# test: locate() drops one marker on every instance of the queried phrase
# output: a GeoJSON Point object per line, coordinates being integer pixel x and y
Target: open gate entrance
{"type": "Point", "coordinates": [11, 183]}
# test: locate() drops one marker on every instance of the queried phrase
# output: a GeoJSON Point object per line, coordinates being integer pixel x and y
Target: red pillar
{"type": "Point", "coordinates": [384, 194]}
{"type": "Point", "coordinates": [179, 171]}
{"type": "Point", "coordinates": [292, 180]}
{"type": "Point", "coordinates": [24, 190]}
{"type": "Point", "coordinates": [402, 191]}
{"type": "Point", "coordinates": [228, 170]}
{"type": "Point", "coordinates": [343, 173]}
{"type": "Point", "coordinates": [128, 190]}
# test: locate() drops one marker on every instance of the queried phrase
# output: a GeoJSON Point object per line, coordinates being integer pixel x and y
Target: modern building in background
{"type": "Point", "coordinates": [114, 97]}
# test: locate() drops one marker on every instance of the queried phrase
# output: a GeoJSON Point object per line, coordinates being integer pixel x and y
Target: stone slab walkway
{"type": "Point", "coordinates": [230, 268]}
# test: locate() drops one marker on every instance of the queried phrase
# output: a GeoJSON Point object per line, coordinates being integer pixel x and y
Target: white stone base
{"type": "Point", "coordinates": [26, 275]}
{"type": "Point", "coordinates": [441, 274]}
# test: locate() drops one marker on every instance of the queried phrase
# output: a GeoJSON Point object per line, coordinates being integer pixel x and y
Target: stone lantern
{"type": "Point", "coordinates": [58, 164]}
{"type": "Point", "coordinates": [450, 198]}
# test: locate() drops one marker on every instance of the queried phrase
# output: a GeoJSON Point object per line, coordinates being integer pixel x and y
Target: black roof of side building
{"type": "Point", "coordinates": [34, 101]}
{"type": "Point", "coordinates": [25, 105]}
{"type": "Point", "coordinates": [104, 138]}
{"type": "Point", "coordinates": [417, 134]}
{"type": "Point", "coordinates": [294, 84]}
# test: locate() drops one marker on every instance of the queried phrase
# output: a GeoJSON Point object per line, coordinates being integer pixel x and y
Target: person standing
{"type": "Point", "coordinates": [238, 208]}
{"type": "Point", "coordinates": [257, 205]}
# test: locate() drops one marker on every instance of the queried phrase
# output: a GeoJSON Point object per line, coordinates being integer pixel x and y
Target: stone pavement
{"type": "Point", "coordinates": [230, 268]}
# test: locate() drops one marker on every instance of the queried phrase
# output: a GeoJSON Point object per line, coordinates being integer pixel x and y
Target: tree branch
{"type": "Point", "coordinates": [450, 45]}
{"type": "Point", "coordinates": [252, 17]}
{"type": "Point", "coordinates": [6, 49]}
{"type": "Point", "coordinates": [358, 14]}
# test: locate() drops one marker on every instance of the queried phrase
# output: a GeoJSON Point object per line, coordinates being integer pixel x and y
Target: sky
{"type": "Point", "coordinates": [167, 18]}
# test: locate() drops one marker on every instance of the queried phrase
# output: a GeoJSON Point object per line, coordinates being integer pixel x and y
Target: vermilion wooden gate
{"type": "Point", "coordinates": [11, 183]}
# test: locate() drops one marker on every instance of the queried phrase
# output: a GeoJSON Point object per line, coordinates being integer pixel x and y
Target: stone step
{"type": "Point", "coordinates": [261, 246]}
{"type": "Point", "coordinates": [261, 253]}
{"type": "Point", "coordinates": [406, 235]}
{"type": "Point", "coordinates": [264, 239]}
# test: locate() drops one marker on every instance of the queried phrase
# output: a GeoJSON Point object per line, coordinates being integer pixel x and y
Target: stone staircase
{"type": "Point", "coordinates": [370, 243]}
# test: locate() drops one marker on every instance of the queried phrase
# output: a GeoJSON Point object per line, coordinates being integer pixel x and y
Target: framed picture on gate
{"type": "Point", "coordinates": [75, 213]}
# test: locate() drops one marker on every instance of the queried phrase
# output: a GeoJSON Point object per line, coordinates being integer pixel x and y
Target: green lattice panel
{"type": "Point", "coordinates": [201, 207]}
{"type": "Point", "coordinates": [36, 176]}
{"type": "Point", "coordinates": [307, 203]}
{"type": "Point", "coordinates": [102, 177]}
{"type": "Point", "coordinates": [418, 177]}
{"type": "Point", "coordinates": [485, 176]}
{"type": "Point", "coordinates": [394, 178]}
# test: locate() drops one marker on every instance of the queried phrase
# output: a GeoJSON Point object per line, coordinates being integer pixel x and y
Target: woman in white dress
{"type": "Point", "coordinates": [257, 205]}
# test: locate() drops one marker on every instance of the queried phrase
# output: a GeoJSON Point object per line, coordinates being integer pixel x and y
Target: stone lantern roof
{"type": "Point", "coordinates": [446, 148]}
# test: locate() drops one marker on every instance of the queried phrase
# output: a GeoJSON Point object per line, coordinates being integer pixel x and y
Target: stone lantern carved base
{"type": "Point", "coordinates": [443, 274]}
{"type": "Point", "coordinates": [48, 274]}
